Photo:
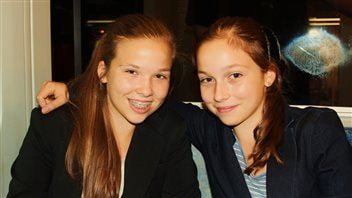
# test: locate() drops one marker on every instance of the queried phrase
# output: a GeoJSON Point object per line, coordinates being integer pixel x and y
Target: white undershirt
{"type": "Point", "coordinates": [122, 177]}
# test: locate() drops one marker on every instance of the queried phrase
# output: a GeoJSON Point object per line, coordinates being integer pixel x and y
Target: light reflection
{"type": "Point", "coordinates": [316, 52]}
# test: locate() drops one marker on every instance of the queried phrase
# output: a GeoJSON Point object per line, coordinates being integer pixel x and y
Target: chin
{"type": "Point", "coordinates": [228, 120]}
{"type": "Point", "coordinates": [137, 121]}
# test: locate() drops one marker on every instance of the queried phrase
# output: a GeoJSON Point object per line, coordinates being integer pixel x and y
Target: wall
{"type": "Point", "coordinates": [25, 61]}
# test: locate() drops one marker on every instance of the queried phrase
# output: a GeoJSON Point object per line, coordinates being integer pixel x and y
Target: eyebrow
{"type": "Point", "coordinates": [202, 72]}
{"type": "Point", "coordinates": [129, 65]}
{"type": "Point", "coordinates": [138, 67]}
{"type": "Point", "coordinates": [226, 67]}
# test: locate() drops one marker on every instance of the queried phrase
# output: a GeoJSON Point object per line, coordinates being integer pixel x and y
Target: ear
{"type": "Point", "coordinates": [101, 71]}
{"type": "Point", "coordinates": [270, 76]}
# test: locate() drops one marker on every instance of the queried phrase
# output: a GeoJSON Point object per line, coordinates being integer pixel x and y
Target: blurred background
{"type": "Point", "coordinates": [76, 25]}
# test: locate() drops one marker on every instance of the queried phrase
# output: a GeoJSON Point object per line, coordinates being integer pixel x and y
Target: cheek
{"type": "Point", "coordinates": [241, 91]}
{"type": "Point", "coordinates": [123, 84]}
{"type": "Point", "coordinates": [250, 92]}
{"type": "Point", "coordinates": [206, 94]}
{"type": "Point", "coordinates": [119, 85]}
{"type": "Point", "coordinates": [246, 89]}
{"type": "Point", "coordinates": [161, 89]}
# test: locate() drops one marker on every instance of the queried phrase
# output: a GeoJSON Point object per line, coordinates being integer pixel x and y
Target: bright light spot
{"type": "Point", "coordinates": [313, 33]}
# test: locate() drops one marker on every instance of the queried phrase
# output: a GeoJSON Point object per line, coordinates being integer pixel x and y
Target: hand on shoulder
{"type": "Point", "coordinates": [52, 95]}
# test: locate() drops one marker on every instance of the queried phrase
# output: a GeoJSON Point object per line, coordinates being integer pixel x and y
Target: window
{"type": "Point", "coordinates": [75, 26]}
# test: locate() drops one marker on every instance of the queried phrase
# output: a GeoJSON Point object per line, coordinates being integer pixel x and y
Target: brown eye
{"type": "Point", "coordinates": [205, 80]}
{"type": "Point", "coordinates": [236, 75]}
{"type": "Point", "coordinates": [160, 76]}
{"type": "Point", "coordinates": [130, 71]}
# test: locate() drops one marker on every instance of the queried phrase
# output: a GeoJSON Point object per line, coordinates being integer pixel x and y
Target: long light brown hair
{"type": "Point", "coordinates": [92, 156]}
{"type": "Point", "coordinates": [262, 46]}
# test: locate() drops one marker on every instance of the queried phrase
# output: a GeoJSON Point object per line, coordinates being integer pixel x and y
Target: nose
{"type": "Point", "coordinates": [220, 92]}
{"type": "Point", "coordinates": [144, 87]}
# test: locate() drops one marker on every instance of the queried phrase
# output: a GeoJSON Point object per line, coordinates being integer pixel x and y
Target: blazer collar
{"type": "Point", "coordinates": [235, 182]}
{"type": "Point", "coordinates": [143, 157]}
{"type": "Point", "coordinates": [280, 178]}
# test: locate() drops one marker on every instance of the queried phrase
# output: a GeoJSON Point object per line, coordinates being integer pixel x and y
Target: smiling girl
{"type": "Point", "coordinates": [114, 139]}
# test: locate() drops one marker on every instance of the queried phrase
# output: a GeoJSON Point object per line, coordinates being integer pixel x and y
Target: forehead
{"type": "Point", "coordinates": [142, 41]}
{"type": "Point", "coordinates": [218, 54]}
{"type": "Point", "coordinates": [144, 52]}
{"type": "Point", "coordinates": [131, 46]}
{"type": "Point", "coordinates": [217, 50]}
{"type": "Point", "coordinates": [142, 44]}
{"type": "Point", "coordinates": [223, 43]}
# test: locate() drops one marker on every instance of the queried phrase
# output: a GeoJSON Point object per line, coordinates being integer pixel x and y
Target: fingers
{"type": "Point", "coordinates": [52, 95]}
{"type": "Point", "coordinates": [43, 97]}
{"type": "Point", "coordinates": [51, 105]}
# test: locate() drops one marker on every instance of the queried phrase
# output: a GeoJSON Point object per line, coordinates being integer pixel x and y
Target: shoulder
{"type": "Point", "coordinates": [168, 116]}
{"type": "Point", "coordinates": [52, 126]}
{"type": "Point", "coordinates": [58, 117]}
{"type": "Point", "coordinates": [60, 113]}
{"type": "Point", "coordinates": [168, 122]}
{"type": "Point", "coordinates": [317, 124]}
{"type": "Point", "coordinates": [310, 109]}
{"type": "Point", "coordinates": [314, 115]}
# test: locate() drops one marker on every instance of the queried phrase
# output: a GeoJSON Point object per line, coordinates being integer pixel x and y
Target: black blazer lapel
{"type": "Point", "coordinates": [142, 160]}
{"type": "Point", "coordinates": [235, 181]}
{"type": "Point", "coordinates": [280, 178]}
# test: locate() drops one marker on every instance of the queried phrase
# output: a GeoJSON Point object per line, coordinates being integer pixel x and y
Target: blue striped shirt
{"type": "Point", "coordinates": [256, 184]}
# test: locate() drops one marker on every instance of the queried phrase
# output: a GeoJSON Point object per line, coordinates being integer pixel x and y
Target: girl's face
{"type": "Point", "coordinates": [232, 85]}
{"type": "Point", "coordinates": [138, 79]}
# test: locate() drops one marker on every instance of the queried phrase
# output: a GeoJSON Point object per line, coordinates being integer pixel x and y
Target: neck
{"type": "Point", "coordinates": [245, 134]}
{"type": "Point", "coordinates": [246, 139]}
{"type": "Point", "coordinates": [245, 130]}
{"type": "Point", "coordinates": [123, 132]}
{"type": "Point", "coordinates": [123, 139]}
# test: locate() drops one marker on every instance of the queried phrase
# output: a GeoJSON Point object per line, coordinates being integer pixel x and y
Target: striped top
{"type": "Point", "coordinates": [256, 184]}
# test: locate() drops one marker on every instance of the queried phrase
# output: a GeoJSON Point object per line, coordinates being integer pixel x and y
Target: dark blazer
{"type": "Point", "coordinates": [317, 156]}
{"type": "Point", "coordinates": [158, 163]}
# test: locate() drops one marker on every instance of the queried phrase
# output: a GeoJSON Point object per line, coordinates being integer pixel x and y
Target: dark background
{"type": "Point", "coordinates": [73, 37]}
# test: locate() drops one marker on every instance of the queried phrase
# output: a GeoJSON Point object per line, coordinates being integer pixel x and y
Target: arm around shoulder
{"type": "Point", "coordinates": [181, 180]}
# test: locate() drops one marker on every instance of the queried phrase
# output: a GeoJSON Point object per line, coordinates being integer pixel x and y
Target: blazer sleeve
{"type": "Point", "coordinates": [32, 169]}
{"type": "Point", "coordinates": [332, 155]}
{"type": "Point", "coordinates": [181, 177]}
{"type": "Point", "coordinates": [197, 120]}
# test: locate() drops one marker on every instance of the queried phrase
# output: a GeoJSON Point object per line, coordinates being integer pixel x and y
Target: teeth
{"type": "Point", "coordinates": [139, 105]}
